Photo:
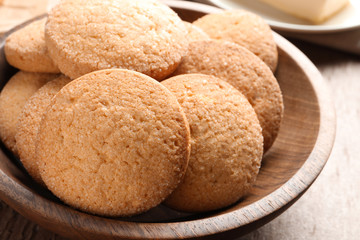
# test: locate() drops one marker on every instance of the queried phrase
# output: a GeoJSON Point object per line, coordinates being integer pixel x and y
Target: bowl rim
{"type": "Point", "coordinates": [285, 194]}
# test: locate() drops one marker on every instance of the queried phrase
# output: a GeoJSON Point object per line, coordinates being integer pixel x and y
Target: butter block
{"type": "Point", "coordinates": [316, 11]}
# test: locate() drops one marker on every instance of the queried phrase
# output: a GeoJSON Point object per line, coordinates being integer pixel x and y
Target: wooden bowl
{"type": "Point", "coordinates": [289, 167]}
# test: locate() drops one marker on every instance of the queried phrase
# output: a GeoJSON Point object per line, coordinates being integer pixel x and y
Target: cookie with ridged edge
{"type": "Point", "coordinates": [113, 142]}
{"type": "Point", "coordinates": [13, 97]}
{"type": "Point", "coordinates": [246, 72]}
{"type": "Point", "coordinates": [226, 143]}
{"type": "Point", "coordinates": [244, 28]}
{"type": "Point", "coordinates": [29, 122]}
{"type": "Point", "coordinates": [142, 35]}
{"type": "Point", "coordinates": [26, 49]}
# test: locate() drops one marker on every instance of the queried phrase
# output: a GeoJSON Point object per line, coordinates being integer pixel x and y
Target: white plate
{"type": "Point", "coordinates": [348, 18]}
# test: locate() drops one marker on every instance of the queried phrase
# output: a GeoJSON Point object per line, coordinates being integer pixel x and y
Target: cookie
{"type": "Point", "coordinates": [226, 143]}
{"type": "Point", "coordinates": [113, 142]}
{"type": "Point", "coordinates": [25, 49]}
{"type": "Point", "coordinates": [29, 121]}
{"type": "Point", "coordinates": [13, 98]}
{"type": "Point", "coordinates": [244, 28]}
{"type": "Point", "coordinates": [195, 33]}
{"type": "Point", "coordinates": [141, 35]}
{"type": "Point", "coordinates": [246, 72]}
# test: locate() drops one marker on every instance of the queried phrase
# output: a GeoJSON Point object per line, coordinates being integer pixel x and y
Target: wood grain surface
{"type": "Point", "coordinates": [329, 210]}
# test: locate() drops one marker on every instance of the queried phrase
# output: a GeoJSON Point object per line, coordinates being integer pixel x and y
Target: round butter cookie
{"type": "Point", "coordinates": [26, 49]}
{"type": "Point", "coordinates": [226, 143]}
{"type": "Point", "coordinates": [246, 72]}
{"type": "Point", "coordinates": [142, 35]}
{"type": "Point", "coordinates": [29, 122]}
{"type": "Point", "coordinates": [12, 100]}
{"type": "Point", "coordinates": [113, 142]}
{"type": "Point", "coordinates": [195, 33]}
{"type": "Point", "coordinates": [244, 28]}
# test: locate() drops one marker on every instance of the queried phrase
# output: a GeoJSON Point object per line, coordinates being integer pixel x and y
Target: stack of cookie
{"type": "Point", "coordinates": [120, 105]}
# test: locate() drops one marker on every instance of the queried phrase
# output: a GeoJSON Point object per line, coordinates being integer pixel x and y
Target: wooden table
{"type": "Point", "coordinates": [330, 209]}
